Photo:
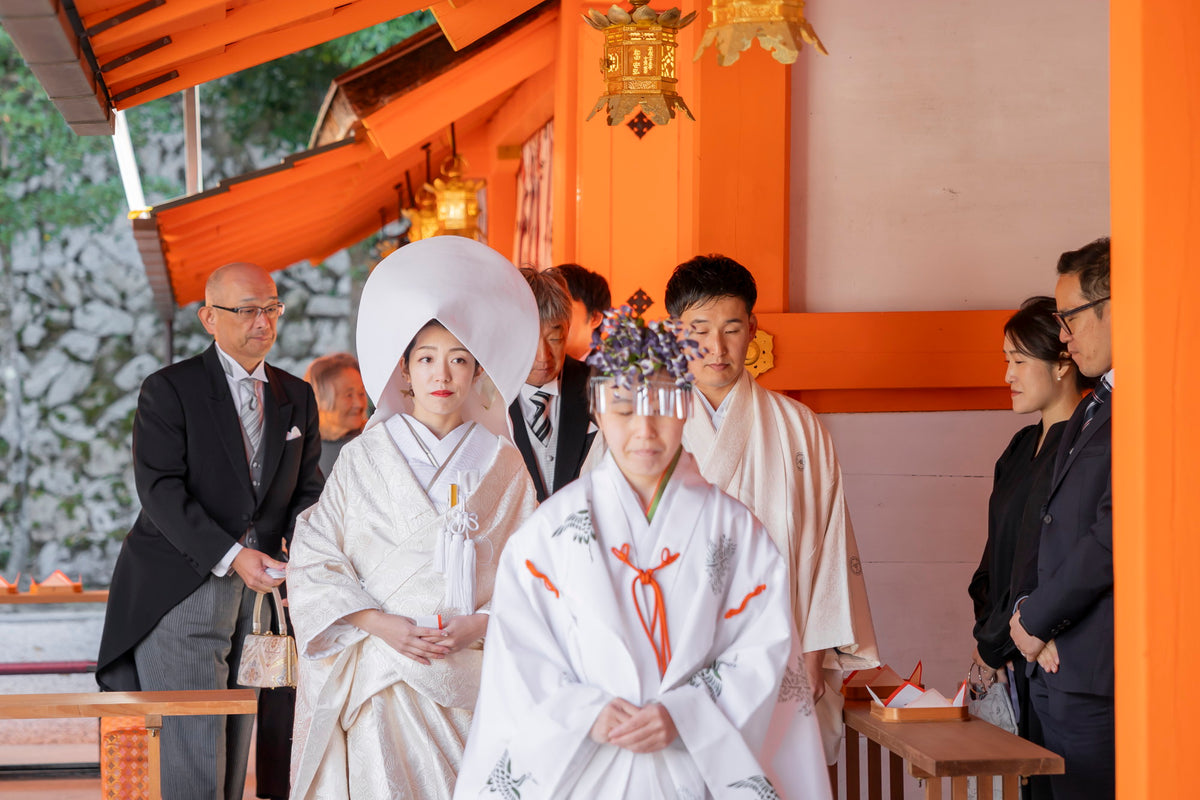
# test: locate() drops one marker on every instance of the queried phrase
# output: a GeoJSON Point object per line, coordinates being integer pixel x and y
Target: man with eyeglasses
{"type": "Point", "coordinates": [1065, 626]}
{"type": "Point", "coordinates": [225, 454]}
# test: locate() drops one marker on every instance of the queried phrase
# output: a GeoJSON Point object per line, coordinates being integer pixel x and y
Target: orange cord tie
{"type": "Point", "coordinates": [646, 578]}
{"type": "Point", "coordinates": [733, 612]}
{"type": "Point", "coordinates": [550, 586]}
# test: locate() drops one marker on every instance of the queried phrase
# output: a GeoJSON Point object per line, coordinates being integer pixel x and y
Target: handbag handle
{"type": "Point", "coordinates": [258, 601]}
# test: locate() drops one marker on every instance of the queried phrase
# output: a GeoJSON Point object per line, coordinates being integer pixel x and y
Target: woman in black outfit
{"type": "Point", "coordinates": [1043, 380]}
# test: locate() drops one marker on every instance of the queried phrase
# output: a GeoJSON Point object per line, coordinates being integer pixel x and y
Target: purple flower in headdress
{"type": "Point", "coordinates": [629, 349]}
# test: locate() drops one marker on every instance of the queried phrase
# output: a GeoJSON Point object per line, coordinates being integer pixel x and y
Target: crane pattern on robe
{"type": "Point", "coordinates": [720, 556]}
{"type": "Point", "coordinates": [502, 782]}
{"type": "Point", "coordinates": [580, 526]}
{"type": "Point", "coordinates": [710, 677]}
{"type": "Point", "coordinates": [758, 784]}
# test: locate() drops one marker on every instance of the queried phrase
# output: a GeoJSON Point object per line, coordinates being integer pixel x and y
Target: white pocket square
{"type": "Point", "coordinates": [294, 433]}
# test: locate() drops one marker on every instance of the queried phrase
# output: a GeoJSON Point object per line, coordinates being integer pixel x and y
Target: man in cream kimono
{"type": "Point", "coordinates": [773, 454]}
{"type": "Point", "coordinates": [389, 566]}
{"type": "Point", "coordinates": [642, 643]}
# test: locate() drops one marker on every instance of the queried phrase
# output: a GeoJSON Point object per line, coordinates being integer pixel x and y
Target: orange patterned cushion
{"type": "Point", "coordinates": [124, 761]}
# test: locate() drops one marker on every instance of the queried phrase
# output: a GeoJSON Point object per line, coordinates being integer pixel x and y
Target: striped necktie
{"type": "Point", "coordinates": [251, 414]}
{"type": "Point", "coordinates": [1099, 397]}
{"type": "Point", "coordinates": [540, 424]}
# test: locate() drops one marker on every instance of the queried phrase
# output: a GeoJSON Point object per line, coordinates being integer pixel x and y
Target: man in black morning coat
{"type": "Point", "coordinates": [1065, 625]}
{"type": "Point", "coordinates": [225, 452]}
{"type": "Point", "coordinates": [551, 424]}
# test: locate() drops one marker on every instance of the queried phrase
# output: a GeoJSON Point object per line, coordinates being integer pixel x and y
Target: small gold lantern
{"type": "Point", "coordinates": [779, 26]}
{"type": "Point", "coordinates": [457, 199]}
{"type": "Point", "coordinates": [423, 217]}
{"type": "Point", "coordinates": [639, 61]}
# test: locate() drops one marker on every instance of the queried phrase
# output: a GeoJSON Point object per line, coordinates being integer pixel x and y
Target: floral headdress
{"type": "Point", "coordinates": [632, 354]}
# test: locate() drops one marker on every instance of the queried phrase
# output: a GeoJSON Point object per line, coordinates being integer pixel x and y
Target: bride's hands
{"type": "Point", "coordinates": [401, 634]}
{"type": "Point", "coordinates": [459, 632]}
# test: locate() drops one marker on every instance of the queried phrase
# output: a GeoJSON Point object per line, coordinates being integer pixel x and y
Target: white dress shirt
{"type": "Point", "coordinates": [234, 374]}
{"type": "Point", "coordinates": [545, 453]}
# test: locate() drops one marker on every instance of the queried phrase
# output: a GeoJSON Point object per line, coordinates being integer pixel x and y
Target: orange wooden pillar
{"type": "Point", "coordinates": [631, 209]}
{"type": "Point", "coordinates": [1155, 123]}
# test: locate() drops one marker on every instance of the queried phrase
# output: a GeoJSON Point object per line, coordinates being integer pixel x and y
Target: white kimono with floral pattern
{"type": "Point", "coordinates": [370, 723]}
{"type": "Point", "coordinates": [569, 632]}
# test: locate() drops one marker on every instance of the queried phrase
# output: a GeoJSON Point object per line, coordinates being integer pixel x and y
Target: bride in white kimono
{"type": "Point", "coordinates": [391, 572]}
{"type": "Point", "coordinates": [642, 644]}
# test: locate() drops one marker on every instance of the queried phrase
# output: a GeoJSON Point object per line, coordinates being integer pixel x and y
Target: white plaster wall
{"type": "Point", "coordinates": [946, 152]}
{"type": "Point", "coordinates": [918, 486]}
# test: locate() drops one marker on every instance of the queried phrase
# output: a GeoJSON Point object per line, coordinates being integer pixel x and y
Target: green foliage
{"type": "Point", "coordinates": [275, 105]}
{"type": "Point", "coordinates": [48, 174]}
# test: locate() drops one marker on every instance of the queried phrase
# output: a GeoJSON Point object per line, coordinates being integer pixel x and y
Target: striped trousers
{"type": "Point", "coordinates": [197, 645]}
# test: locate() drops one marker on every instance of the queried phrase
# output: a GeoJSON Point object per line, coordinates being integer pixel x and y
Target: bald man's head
{"type": "Point", "coordinates": [246, 334]}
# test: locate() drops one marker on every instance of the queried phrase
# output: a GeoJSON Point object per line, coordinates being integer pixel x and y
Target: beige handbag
{"type": "Point", "coordinates": [268, 659]}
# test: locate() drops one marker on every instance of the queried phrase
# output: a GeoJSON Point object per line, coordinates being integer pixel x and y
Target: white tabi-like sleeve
{"type": "Point", "coordinates": [323, 586]}
{"type": "Point", "coordinates": [723, 711]}
{"type": "Point", "coordinates": [533, 720]}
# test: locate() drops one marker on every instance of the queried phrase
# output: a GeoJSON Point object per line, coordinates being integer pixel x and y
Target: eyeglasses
{"type": "Point", "coordinates": [1064, 316]}
{"type": "Point", "coordinates": [250, 313]}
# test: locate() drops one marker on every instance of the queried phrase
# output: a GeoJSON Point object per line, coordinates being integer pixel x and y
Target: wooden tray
{"type": "Point", "coordinates": [861, 693]}
{"type": "Point", "coordinates": [947, 714]}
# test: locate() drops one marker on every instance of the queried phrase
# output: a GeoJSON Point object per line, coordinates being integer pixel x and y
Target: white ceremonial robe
{"type": "Point", "coordinates": [773, 454]}
{"type": "Point", "coordinates": [371, 723]}
{"type": "Point", "coordinates": [566, 638]}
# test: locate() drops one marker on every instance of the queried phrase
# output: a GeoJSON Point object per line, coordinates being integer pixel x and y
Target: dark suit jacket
{"type": "Point", "coordinates": [574, 441]}
{"type": "Point", "coordinates": [1073, 602]}
{"type": "Point", "coordinates": [194, 484]}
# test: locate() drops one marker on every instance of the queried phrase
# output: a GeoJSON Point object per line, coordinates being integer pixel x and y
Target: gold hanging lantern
{"type": "Point", "coordinates": [457, 199]}
{"type": "Point", "coordinates": [779, 26]}
{"type": "Point", "coordinates": [422, 214]}
{"type": "Point", "coordinates": [639, 61]}
{"type": "Point", "coordinates": [422, 217]}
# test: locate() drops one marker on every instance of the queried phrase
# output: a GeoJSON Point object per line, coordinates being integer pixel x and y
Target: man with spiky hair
{"type": "Point", "coordinates": [773, 454]}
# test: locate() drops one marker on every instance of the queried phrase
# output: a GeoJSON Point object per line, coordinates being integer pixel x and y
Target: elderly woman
{"type": "Point", "coordinates": [1044, 381]}
{"type": "Point", "coordinates": [341, 402]}
{"type": "Point", "coordinates": [391, 572]}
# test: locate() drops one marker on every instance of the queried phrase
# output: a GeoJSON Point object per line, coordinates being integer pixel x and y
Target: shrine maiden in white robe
{"type": "Point", "coordinates": [567, 636]}
{"type": "Point", "coordinates": [773, 454]}
{"type": "Point", "coordinates": [370, 722]}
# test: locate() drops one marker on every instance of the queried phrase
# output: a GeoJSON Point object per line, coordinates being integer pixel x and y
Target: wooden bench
{"type": "Point", "coordinates": [153, 706]}
{"type": "Point", "coordinates": [936, 750]}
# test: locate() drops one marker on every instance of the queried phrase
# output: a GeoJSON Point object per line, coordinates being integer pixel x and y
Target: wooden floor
{"type": "Point", "coordinates": [70, 788]}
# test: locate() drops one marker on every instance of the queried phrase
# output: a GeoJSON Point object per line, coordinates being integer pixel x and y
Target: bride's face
{"type": "Point", "coordinates": [441, 372]}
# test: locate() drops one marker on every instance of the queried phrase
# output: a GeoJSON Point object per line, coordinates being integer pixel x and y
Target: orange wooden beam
{"type": "Point", "coordinates": [463, 25]}
{"type": "Point", "coordinates": [195, 65]}
{"type": "Point", "coordinates": [889, 361]}
{"type": "Point", "coordinates": [1155, 162]}
{"type": "Point", "coordinates": [485, 76]}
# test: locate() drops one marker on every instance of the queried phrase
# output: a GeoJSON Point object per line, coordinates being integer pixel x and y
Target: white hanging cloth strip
{"type": "Point", "coordinates": [454, 555]}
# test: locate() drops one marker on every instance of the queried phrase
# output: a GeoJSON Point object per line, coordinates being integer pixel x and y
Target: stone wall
{"type": "Point", "coordinates": [83, 334]}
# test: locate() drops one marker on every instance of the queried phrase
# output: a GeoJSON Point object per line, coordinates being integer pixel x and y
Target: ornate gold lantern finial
{"type": "Point", "coordinates": [779, 26]}
{"type": "Point", "coordinates": [639, 61]}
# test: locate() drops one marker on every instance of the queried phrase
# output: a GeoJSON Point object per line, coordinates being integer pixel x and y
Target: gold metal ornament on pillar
{"type": "Point", "coordinates": [639, 61]}
{"type": "Point", "coordinates": [779, 26]}
{"type": "Point", "coordinates": [760, 355]}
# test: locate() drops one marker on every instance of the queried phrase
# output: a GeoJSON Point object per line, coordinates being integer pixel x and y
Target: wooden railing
{"type": "Point", "coordinates": [933, 751]}
{"type": "Point", "coordinates": [153, 706]}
